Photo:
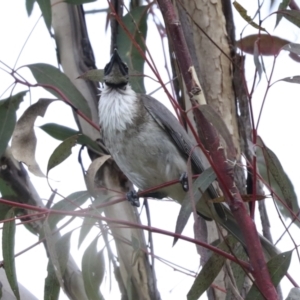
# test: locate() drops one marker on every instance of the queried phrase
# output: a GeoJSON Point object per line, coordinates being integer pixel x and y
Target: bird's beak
{"type": "Point", "coordinates": [116, 61]}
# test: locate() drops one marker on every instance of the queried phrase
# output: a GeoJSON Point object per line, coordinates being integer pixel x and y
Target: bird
{"type": "Point", "coordinates": [151, 147]}
{"type": "Point", "coordinates": [144, 138]}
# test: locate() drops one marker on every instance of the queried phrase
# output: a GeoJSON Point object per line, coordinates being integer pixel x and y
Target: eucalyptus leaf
{"type": "Point", "coordinates": [93, 267]}
{"type": "Point", "coordinates": [136, 23]}
{"type": "Point", "coordinates": [52, 287]}
{"type": "Point", "coordinates": [70, 203]}
{"type": "Point", "coordinates": [210, 270]}
{"type": "Point", "coordinates": [62, 152]}
{"type": "Point", "coordinates": [204, 180]}
{"type": "Point", "coordinates": [45, 6]}
{"type": "Point", "coordinates": [8, 250]}
{"type": "Point", "coordinates": [96, 75]}
{"type": "Point", "coordinates": [282, 6]}
{"type": "Point", "coordinates": [29, 6]}
{"type": "Point", "coordinates": [23, 144]}
{"type": "Point", "coordinates": [85, 228]}
{"type": "Point", "coordinates": [8, 108]}
{"type": "Point", "coordinates": [273, 173]}
{"type": "Point", "coordinates": [277, 267]}
{"type": "Point", "coordinates": [61, 133]}
{"type": "Point", "coordinates": [291, 15]}
{"type": "Point", "coordinates": [243, 13]}
{"type": "Point", "coordinates": [49, 75]}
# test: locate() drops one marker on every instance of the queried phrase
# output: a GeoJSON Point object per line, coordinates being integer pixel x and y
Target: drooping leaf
{"type": "Point", "coordinates": [61, 133]}
{"type": "Point", "coordinates": [93, 75]}
{"type": "Point", "coordinates": [71, 203]}
{"type": "Point", "coordinates": [213, 117]}
{"type": "Point", "coordinates": [24, 141]}
{"type": "Point", "coordinates": [210, 270]}
{"type": "Point", "coordinates": [79, 2]}
{"type": "Point", "coordinates": [201, 184]}
{"type": "Point", "coordinates": [8, 249]}
{"type": "Point", "coordinates": [52, 287]}
{"type": "Point", "coordinates": [256, 60]}
{"type": "Point", "coordinates": [45, 6]}
{"type": "Point", "coordinates": [266, 44]}
{"type": "Point", "coordinates": [86, 227]}
{"type": "Point", "coordinates": [291, 15]}
{"type": "Point", "coordinates": [237, 271]}
{"type": "Point", "coordinates": [47, 74]}
{"type": "Point", "coordinates": [63, 250]}
{"type": "Point", "coordinates": [291, 79]}
{"type": "Point", "coordinates": [277, 266]}
{"type": "Point", "coordinates": [92, 170]}
{"type": "Point", "coordinates": [8, 108]}
{"type": "Point", "coordinates": [62, 152]}
{"type": "Point", "coordinates": [243, 13]}
{"type": "Point", "coordinates": [29, 6]}
{"type": "Point", "coordinates": [282, 6]}
{"type": "Point", "coordinates": [136, 23]}
{"type": "Point", "coordinates": [273, 173]}
{"type": "Point", "coordinates": [292, 47]}
{"type": "Point", "coordinates": [93, 267]}
{"type": "Point", "coordinates": [53, 255]}
{"type": "Point", "coordinates": [294, 294]}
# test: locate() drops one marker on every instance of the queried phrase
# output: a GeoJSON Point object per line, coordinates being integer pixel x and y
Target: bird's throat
{"type": "Point", "coordinates": [117, 108]}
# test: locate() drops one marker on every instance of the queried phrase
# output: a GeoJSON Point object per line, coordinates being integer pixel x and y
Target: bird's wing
{"type": "Point", "coordinates": [169, 123]}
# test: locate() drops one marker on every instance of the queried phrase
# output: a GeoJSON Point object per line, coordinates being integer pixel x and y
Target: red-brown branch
{"type": "Point", "coordinates": [222, 166]}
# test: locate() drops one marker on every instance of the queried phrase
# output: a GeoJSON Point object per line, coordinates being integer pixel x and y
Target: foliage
{"type": "Point", "coordinates": [19, 143]}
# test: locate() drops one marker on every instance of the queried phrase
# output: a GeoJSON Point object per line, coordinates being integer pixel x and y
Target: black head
{"type": "Point", "coordinates": [116, 71]}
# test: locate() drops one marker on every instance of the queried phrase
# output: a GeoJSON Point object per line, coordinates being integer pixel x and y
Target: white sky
{"type": "Point", "coordinates": [278, 127]}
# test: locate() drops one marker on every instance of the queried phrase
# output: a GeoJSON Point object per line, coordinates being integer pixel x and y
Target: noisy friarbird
{"type": "Point", "coordinates": [151, 147]}
{"type": "Point", "coordinates": [144, 138]}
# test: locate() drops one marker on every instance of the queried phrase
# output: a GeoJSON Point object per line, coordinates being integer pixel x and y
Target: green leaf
{"type": "Point", "coordinates": [53, 255]}
{"type": "Point", "coordinates": [8, 108]}
{"type": "Point", "coordinates": [273, 173]}
{"type": "Point", "coordinates": [243, 13]}
{"type": "Point", "coordinates": [61, 133]}
{"type": "Point", "coordinates": [292, 47]}
{"type": "Point", "coordinates": [78, 2]}
{"type": "Point", "coordinates": [93, 75]}
{"type": "Point", "coordinates": [86, 227]}
{"type": "Point", "coordinates": [45, 6]}
{"type": "Point", "coordinates": [62, 152]}
{"type": "Point", "coordinates": [71, 203]}
{"type": "Point", "coordinates": [8, 249]}
{"type": "Point", "coordinates": [291, 15]}
{"type": "Point", "coordinates": [29, 6]}
{"type": "Point", "coordinates": [52, 287]}
{"type": "Point", "coordinates": [136, 23]}
{"type": "Point", "coordinates": [291, 79]}
{"type": "Point", "coordinates": [63, 250]}
{"type": "Point", "coordinates": [282, 6]}
{"type": "Point", "coordinates": [210, 270]}
{"type": "Point", "coordinates": [47, 74]}
{"type": "Point", "coordinates": [93, 267]}
{"type": "Point", "coordinates": [201, 184]}
{"type": "Point", "coordinates": [277, 266]}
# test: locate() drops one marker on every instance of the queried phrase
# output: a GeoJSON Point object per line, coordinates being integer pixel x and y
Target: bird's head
{"type": "Point", "coordinates": [116, 72]}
